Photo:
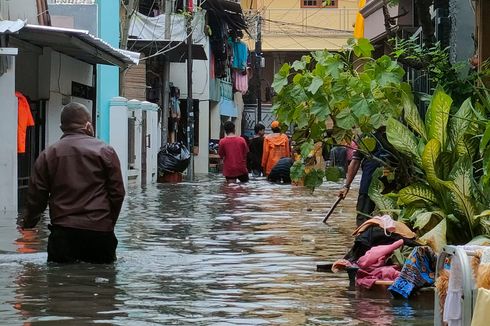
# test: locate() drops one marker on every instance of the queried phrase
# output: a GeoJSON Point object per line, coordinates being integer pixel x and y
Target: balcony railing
{"type": "Point", "coordinates": [311, 21]}
{"type": "Point", "coordinates": [71, 2]}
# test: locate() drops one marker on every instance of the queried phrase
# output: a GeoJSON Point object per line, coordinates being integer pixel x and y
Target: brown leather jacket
{"type": "Point", "coordinates": [80, 177]}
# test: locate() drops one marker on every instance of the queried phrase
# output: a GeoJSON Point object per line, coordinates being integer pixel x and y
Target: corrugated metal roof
{"type": "Point", "coordinates": [11, 26]}
{"type": "Point", "coordinates": [76, 43]}
{"type": "Point", "coordinates": [37, 34]}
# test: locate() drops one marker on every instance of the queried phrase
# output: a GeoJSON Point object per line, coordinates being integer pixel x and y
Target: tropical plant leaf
{"type": "Point", "coordinates": [437, 117]}
{"type": "Point", "coordinates": [333, 173]}
{"type": "Point", "coordinates": [383, 202]}
{"type": "Point", "coordinates": [417, 192]}
{"type": "Point", "coordinates": [281, 78]}
{"type": "Point", "coordinates": [402, 139]}
{"type": "Point", "coordinates": [316, 83]}
{"type": "Point", "coordinates": [461, 185]}
{"type": "Point", "coordinates": [460, 122]}
{"type": "Point", "coordinates": [412, 116]}
{"type": "Point", "coordinates": [432, 151]}
{"type": "Point", "coordinates": [314, 178]}
{"type": "Point", "coordinates": [485, 138]}
{"type": "Point", "coordinates": [425, 219]}
{"type": "Point", "coordinates": [436, 238]}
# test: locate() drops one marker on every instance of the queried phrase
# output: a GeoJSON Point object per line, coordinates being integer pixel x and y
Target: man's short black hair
{"type": "Point", "coordinates": [276, 129]}
{"type": "Point", "coordinates": [258, 127]}
{"type": "Point", "coordinates": [229, 127]}
{"type": "Point", "coordinates": [74, 116]}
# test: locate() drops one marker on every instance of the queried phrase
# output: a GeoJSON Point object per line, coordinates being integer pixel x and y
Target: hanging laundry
{"type": "Point", "coordinates": [240, 55]}
{"type": "Point", "coordinates": [418, 271]}
{"type": "Point", "coordinates": [175, 102]}
{"type": "Point", "coordinates": [452, 305]}
{"type": "Point", "coordinates": [481, 313]}
{"type": "Point", "coordinates": [240, 81]}
{"type": "Point", "coordinates": [24, 120]}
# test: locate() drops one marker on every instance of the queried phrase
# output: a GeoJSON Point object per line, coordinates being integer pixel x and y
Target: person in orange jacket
{"type": "Point", "coordinates": [276, 146]}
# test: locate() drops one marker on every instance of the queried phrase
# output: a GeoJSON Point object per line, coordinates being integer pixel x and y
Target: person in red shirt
{"type": "Point", "coordinates": [233, 150]}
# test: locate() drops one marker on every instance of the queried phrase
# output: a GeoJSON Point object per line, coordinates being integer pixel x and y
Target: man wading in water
{"type": "Point", "coordinates": [80, 177]}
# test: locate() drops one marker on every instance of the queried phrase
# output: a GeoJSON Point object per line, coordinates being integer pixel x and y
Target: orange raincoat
{"type": "Point", "coordinates": [276, 146]}
{"type": "Point", "coordinates": [24, 120]}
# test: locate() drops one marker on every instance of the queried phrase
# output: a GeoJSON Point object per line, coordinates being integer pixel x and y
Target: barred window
{"type": "Point", "coordinates": [318, 3]}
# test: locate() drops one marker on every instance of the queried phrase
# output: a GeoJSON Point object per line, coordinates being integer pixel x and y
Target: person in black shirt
{"type": "Point", "coordinates": [281, 171]}
{"type": "Point", "coordinates": [256, 147]}
{"type": "Point", "coordinates": [368, 164]}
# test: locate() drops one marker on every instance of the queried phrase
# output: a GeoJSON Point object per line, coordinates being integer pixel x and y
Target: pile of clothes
{"type": "Point", "coordinates": [373, 256]}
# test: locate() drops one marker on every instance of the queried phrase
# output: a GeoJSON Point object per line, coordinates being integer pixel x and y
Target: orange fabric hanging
{"type": "Point", "coordinates": [24, 120]}
{"type": "Point", "coordinates": [359, 25]}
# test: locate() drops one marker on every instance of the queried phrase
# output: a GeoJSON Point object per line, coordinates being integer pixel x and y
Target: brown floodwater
{"type": "Point", "coordinates": [203, 253]}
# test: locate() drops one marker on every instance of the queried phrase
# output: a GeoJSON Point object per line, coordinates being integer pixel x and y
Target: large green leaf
{"type": "Point", "coordinates": [412, 116]}
{"type": "Point", "coordinates": [281, 78]}
{"type": "Point", "coordinates": [459, 123]}
{"type": "Point", "coordinates": [437, 117]}
{"type": "Point", "coordinates": [417, 192]}
{"type": "Point", "coordinates": [402, 139]}
{"type": "Point", "coordinates": [485, 138]}
{"type": "Point", "coordinates": [436, 238]}
{"type": "Point", "coordinates": [432, 151]}
{"type": "Point", "coordinates": [461, 187]}
{"type": "Point", "coordinates": [383, 203]}
{"type": "Point", "coordinates": [428, 219]}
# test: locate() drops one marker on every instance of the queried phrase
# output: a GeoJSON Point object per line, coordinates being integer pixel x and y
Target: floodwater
{"type": "Point", "coordinates": [203, 253]}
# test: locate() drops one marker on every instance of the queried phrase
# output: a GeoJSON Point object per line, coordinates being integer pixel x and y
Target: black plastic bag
{"type": "Point", "coordinates": [173, 157]}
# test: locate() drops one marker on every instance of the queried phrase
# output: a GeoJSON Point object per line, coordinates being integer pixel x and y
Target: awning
{"type": "Point", "coordinates": [175, 51]}
{"type": "Point", "coordinates": [79, 44]}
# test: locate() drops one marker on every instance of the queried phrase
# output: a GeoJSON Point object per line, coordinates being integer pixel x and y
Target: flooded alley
{"type": "Point", "coordinates": [204, 253]}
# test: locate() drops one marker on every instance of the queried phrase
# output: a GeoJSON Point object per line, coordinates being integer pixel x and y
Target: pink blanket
{"type": "Point", "coordinates": [372, 265]}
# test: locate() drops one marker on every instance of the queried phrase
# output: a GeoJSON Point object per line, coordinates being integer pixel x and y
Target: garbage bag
{"type": "Point", "coordinates": [173, 157]}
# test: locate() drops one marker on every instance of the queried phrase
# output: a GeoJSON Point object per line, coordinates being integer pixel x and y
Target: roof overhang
{"type": "Point", "coordinates": [175, 51]}
{"type": "Point", "coordinates": [79, 44]}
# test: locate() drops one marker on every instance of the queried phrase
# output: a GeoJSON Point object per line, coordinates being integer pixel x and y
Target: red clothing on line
{"type": "Point", "coordinates": [24, 120]}
{"type": "Point", "coordinates": [233, 150]}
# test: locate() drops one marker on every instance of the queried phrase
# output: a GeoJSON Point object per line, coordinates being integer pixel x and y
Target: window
{"type": "Point", "coordinates": [318, 3]}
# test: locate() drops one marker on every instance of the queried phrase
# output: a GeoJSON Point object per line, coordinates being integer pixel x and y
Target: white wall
{"type": "Point", "coordinates": [63, 70]}
{"type": "Point", "coordinates": [19, 9]}
{"type": "Point", "coordinates": [200, 90]}
{"type": "Point", "coordinates": [8, 145]}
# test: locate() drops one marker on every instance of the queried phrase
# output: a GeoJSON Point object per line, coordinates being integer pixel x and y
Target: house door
{"type": "Point", "coordinates": [35, 143]}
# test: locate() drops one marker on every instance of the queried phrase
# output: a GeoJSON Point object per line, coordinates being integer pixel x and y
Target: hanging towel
{"type": "Point", "coordinates": [240, 55]}
{"type": "Point", "coordinates": [241, 81]}
{"type": "Point", "coordinates": [24, 120]}
{"type": "Point", "coordinates": [452, 307]}
{"type": "Point", "coordinates": [481, 314]}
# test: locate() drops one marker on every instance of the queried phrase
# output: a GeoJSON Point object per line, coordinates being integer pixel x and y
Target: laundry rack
{"type": "Point", "coordinates": [463, 254]}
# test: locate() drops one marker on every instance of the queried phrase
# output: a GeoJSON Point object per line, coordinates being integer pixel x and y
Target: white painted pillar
{"type": "Point", "coordinates": [152, 134]}
{"type": "Point", "coordinates": [118, 115]}
{"type": "Point", "coordinates": [134, 107]}
{"type": "Point", "coordinates": [201, 161]}
{"type": "Point", "coordinates": [8, 143]}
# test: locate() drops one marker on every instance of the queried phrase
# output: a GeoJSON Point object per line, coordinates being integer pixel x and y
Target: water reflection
{"type": "Point", "coordinates": [206, 253]}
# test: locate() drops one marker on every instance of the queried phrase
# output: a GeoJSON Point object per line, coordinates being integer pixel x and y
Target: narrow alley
{"type": "Point", "coordinates": [204, 253]}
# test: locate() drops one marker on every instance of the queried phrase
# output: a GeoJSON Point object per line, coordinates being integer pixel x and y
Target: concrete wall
{"type": "Point", "coordinates": [19, 9]}
{"type": "Point", "coordinates": [63, 70]}
{"type": "Point", "coordinates": [8, 145]}
{"type": "Point", "coordinates": [107, 76]}
{"type": "Point", "coordinates": [200, 90]}
{"type": "Point", "coordinates": [462, 27]}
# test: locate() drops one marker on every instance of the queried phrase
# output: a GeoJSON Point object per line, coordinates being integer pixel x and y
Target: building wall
{"type": "Point", "coordinates": [8, 145]}
{"type": "Point", "coordinates": [63, 71]}
{"type": "Point", "coordinates": [107, 76]}
{"type": "Point", "coordinates": [462, 28]}
{"type": "Point", "coordinates": [200, 91]}
{"type": "Point", "coordinates": [19, 9]}
{"type": "Point", "coordinates": [286, 26]}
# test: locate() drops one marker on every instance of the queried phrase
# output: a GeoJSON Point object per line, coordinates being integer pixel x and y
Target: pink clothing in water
{"type": "Point", "coordinates": [372, 265]}
{"type": "Point", "coordinates": [233, 150]}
